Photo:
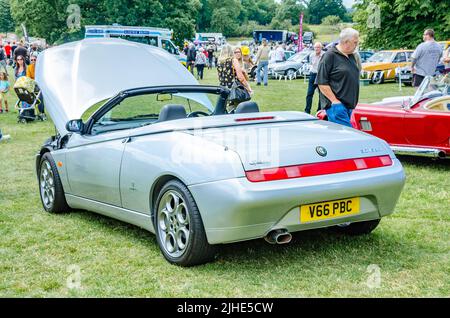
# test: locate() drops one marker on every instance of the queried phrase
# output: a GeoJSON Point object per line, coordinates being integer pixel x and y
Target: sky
{"type": "Point", "coordinates": [348, 3]}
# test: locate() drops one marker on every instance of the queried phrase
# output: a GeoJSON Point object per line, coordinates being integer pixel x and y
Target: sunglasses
{"type": "Point", "coordinates": [237, 52]}
{"type": "Point", "coordinates": [33, 60]}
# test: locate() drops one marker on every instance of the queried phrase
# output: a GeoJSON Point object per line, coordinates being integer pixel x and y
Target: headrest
{"type": "Point", "coordinates": [171, 112]}
{"type": "Point", "coordinates": [247, 107]}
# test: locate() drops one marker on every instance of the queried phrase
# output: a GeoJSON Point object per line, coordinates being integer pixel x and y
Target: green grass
{"type": "Point", "coordinates": [411, 247]}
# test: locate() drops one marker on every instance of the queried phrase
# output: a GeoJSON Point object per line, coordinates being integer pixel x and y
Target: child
{"type": "Point", "coordinates": [4, 88]}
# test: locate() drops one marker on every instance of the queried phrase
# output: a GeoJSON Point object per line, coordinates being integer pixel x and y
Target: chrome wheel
{"type": "Point", "coordinates": [173, 223]}
{"type": "Point", "coordinates": [47, 184]}
{"type": "Point", "coordinates": [290, 72]}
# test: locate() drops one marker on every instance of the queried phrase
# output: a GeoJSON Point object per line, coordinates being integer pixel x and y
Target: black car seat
{"type": "Point", "coordinates": [172, 112]}
{"type": "Point", "coordinates": [247, 107]}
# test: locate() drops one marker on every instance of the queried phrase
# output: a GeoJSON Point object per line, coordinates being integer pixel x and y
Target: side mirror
{"type": "Point", "coordinates": [75, 126]}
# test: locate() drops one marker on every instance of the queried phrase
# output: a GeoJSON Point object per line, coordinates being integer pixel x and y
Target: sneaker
{"type": "Point", "coordinates": [6, 110]}
{"type": "Point", "coordinates": [1, 111]}
{"type": "Point", "coordinates": [265, 84]}
{"type": "Point", "coordinates": [258, 84]}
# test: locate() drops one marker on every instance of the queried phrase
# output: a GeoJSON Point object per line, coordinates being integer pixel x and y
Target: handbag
{"type": "Point", "coordinates": [238, 93]}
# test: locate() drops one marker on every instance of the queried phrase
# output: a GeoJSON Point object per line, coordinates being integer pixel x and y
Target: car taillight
{"type": "Point", "coordinates": [318, 169]}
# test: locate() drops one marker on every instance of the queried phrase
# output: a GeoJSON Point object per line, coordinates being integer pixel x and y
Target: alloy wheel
{"type": "Point", "coordinates": [173, 223]}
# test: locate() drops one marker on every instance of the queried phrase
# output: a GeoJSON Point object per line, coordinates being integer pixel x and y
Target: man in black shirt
{"type": "Point", "coordinates": [338, 78]}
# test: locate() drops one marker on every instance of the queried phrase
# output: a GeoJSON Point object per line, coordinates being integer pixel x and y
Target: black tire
{"type": "Point", "coordinates": [58, 204]}
{"type": "Point", "coordinates": [293, 71]}
{"type": "Point", "coordinates": [378, 80]}
{"type": "Point", "coordinates": [197, 250]}
{"type": "Point", "coordinates": [358, 228]}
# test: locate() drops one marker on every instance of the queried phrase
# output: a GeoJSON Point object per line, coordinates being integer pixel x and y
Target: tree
{"type": "Point", "coordinates": [319, 9]}
{"type": "Point", "coordinates": [331, 20]}
{"type": "Point", "coordinates": [6, 20]}
{"type": "Point", "coordinates": [290, 10]}
{"type": "Point", "coordinates": [225, 15]}
{"type": "Point", "coordinates": [390, 24]}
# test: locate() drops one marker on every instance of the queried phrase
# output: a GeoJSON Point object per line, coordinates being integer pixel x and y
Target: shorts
{"type": "Point", "coordinates": [3, 96]}
{"type": "Point", "coordinates": [417, 80]}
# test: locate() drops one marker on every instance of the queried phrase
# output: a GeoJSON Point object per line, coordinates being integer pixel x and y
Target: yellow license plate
{"type": "Point", "coordinates": [329, 210]}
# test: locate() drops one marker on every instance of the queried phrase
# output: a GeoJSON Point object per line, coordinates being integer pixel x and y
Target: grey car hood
{"type": "Point", "coordinates": [75, 76]}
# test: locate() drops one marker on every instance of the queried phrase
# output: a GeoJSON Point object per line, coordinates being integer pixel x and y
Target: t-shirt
{"type": "Point", "coordinates": [8, 50]}
{"type": "Point", "coordinates": [426, 57]}
{"type": "Point", "coordinates": [263, 53]}
{"type": "Point", "coordinates": [279, 54]}
{"type": "Point", "coordinates": [341, 73]}
{"type": "Point", "coordinates": [314, 60]}
{"type": "Point", "coordinates": [4, 86]}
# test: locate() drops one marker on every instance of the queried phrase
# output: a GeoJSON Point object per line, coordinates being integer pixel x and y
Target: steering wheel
{"type": "Point", "coordinates": [197, 113]}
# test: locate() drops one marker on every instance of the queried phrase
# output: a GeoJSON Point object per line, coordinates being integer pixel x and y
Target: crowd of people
{"type": "Point", "coordinates": [335, 73]}
{"type": "Point", "coordinates": [22, 59]}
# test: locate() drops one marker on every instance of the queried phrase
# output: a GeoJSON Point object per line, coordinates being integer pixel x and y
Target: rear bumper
{"type": "Point", "coordinates": [237, 209]}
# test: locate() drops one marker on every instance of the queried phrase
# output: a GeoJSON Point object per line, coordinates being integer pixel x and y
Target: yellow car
{"type": "Point", "coordinates": [444, 44]}
{"type": "Point", "coordinates": [381, 66]}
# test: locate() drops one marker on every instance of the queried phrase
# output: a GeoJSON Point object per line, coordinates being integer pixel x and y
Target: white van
{"type": "Point", "coordinates": [153, 36]}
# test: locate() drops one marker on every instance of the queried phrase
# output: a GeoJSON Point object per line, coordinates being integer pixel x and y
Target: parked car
{"type": "Point", "coordinates": [381, 66]}
{"type": "Point", "coordinates": [159, 151]}
{"type": "Point", "coordinates": [365, 55]}
{"type": "Point", "coordinates": [416, 125]}
{"type": "Point", "coordinates": [291, 65]}
{"type": "Point", "coordinates": [287, 56]}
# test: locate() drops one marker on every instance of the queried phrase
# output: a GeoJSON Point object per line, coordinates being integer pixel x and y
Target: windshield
{"type": "Point", "coordinates": [381, 57]}
{"type": "Point", "coordinates": [298, 57]}
{"type": "Point", "coordinates": [432, 87]}
{"type": "Point", "coordinates": [141, 110]}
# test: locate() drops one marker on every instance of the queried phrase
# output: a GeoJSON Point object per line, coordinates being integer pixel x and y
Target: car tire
{"type": "Point", "coordinates": [357, 228]}
{"type": "Point", "coordinates": [50, 187]}
{"type": "Point", "coordinates": [179, 227]}
{"type": "Point", "coordinates": [378, 80]}
{"type": "Point", "coordinates": [290, 72]}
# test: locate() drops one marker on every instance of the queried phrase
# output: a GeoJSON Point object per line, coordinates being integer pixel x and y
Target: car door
{"type": "Point", "coordinates": [93, 166]}
{"type": "Point", "coordinates": [398, 61]}
{"type": "Point", "coordinates": [426, 128]}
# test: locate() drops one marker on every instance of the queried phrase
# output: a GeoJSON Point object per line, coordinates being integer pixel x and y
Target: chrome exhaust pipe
{"type": "Point", "coordinates": [420, 152]}
{"type": "Point", "coordinates": [281, 236]}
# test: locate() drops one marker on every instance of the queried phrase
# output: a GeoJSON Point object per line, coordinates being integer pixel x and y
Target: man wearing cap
{"type": "Point", "coordinates": [262, 60]}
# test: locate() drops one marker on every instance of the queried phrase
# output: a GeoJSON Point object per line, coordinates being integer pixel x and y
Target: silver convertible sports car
{"type": "Point", "coordinates": [144, 143]}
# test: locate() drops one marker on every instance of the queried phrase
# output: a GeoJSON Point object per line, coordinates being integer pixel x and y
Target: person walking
{"type": "Point", "coordinates": [230, 69]}
{"type": "Point", "coordinates": [200, 61]}
{"type": "Point", "coordinates": [21, 51]}
{"type": "Point", "coordinates": [4, 88]}
{"type": "Point", "coordinates": [425, 58]}
{"type": "Point", "coordinates": [262, 60]}
{"type": "Point", "coordinates": [279, 53]}
{"type": "Point", "coordinates": [190, 59]}
{"type": "Point", "coordinates": [314, 59]}
{"type": "Point", "coordinates": [21, 67]}
{"type": "Point", "coordinates": [8, 51]}
{"type": "Point", "coordinates": [338, 78]}
{"type": "Point", "coordinates": [210, 50]}
{"type": "Point", "coordinates": [3, 59]}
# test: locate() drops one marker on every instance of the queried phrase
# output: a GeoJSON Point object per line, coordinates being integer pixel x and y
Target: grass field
{"type": "Point", "coordinates": [41, 254]}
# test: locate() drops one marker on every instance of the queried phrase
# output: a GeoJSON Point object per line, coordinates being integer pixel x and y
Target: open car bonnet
{"type": "Point", "coordinates": [75, 76]}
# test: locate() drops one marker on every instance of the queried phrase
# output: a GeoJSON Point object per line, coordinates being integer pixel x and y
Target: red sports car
{"type": "Point", "coordinates": [417, 125]}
